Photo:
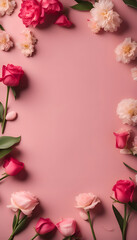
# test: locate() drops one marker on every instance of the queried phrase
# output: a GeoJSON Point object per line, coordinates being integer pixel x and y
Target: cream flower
{"type": "Point", "coordinates": [126, 51]}
{"type": "Point", "coordinates": [5, 41]}
{"type": "Point", "coordinates": [7, 7]}
{"type": "Point", "coordinates": [86, 201]}
{"type": "Point", "coordinates": [134, 73]}
{"type": "Point", "coordinates": [127, 111]}
{"type": "Point", "coordinates": [104, 15]}
{"type": "Point", "coordinates": [27, 44]}
{"type": "Point", "coordinates": [95, 28]}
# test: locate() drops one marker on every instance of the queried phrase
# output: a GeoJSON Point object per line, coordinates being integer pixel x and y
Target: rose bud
{"type": "Point", "coordinates": [44, 226]}
{"type": "Point", "coordinates": [67, 227]}
{"type": "Point", "coordinates": [63, 21]}
{"type": "Point", "coordinates": [124, 190]}
{"type": "Point", "coordinates": [11, 116]}
{"type": "Point", "coordinates": [11, 75]}
{"type": "Point", "coordinates": [23, 201]}
{"type": "Point", "coordinates": [12, 166]}
{"type": "Point", "coordinates": [121, 139]}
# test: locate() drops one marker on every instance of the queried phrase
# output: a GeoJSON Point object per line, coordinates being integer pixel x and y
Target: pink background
{"type": "Point", "coordinates": [67, 115]}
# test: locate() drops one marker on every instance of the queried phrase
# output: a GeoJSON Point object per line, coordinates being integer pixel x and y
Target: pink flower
{"type": "Point", "coordinates": [24, 201]}
{"type": "Point", "coordinates": [67, 227]}
{"type": "Point", "coordinates": [44, 226]}
{"type": "Point", "coordinates": [124, 190]}
{"type": "Point", "coordinates": [63, 21]}
{"type": "Point", "coordinates": [86, 201]}
{"type": "Point", "coordinates": [31, 13]}
{"type": "Point", "coordinates": [121, 139]}
{"type": "Point", "coordinates": [52, 6]}
{"type": "Point", "coordinates": [12, 166]}
{"type": "Point", "coordinates": [11, 75]}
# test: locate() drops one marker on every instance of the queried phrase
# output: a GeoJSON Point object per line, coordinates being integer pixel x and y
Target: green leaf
{"type": "Point", "coordinates": [1, 27]}
{"type": "Point", "coordinates": [14, 92]}
{"type": "Point", "coordinates": [21, 225]}
{"type": "Point", "coordinates": [7, 142]}
{"type": "Point", "coordinates": [1, 112]}
{"type": "Point", "coordinates": [118, 217]}
{"type": "Point", "coordinates": [14, 222]}
{"type": "Point", "coordinates": [4, 152]}
{"type": "Point", "coordinates": [133, 205]}
{"type": "Point", "coordinates": [132, 169]}
{"type": "Point", "coordinates": [131, 3]}
{"type": "Point", "coordinates": [83, 6]}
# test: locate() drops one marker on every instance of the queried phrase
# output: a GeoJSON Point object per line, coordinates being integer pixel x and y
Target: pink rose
{"type": "Point", "coordinates": [87, 201]}
{"type": "Point", "coordinates": [67, 227]}
{"type": "Point", "coordinates": [44, 226]}
{"type": "Point", "coordinates": [63, 21]}
{"type": "Point", "coordinates": [52, 6]}
{"type": "Point", "coordinates": [124, 190]}
{"type": "Point", "coordinates": [24, 201]}
{"type": "Point", "coordinates": [121, 139]}
{"type": "Point", "coordinates": [11, 75]}
{"type": "Point", "coordinates": [32, 13]}
{"type": "Point", "coordinates": [12, 166]}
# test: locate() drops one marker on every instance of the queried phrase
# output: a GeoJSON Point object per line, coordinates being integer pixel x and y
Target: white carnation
{"type": "Point", "coordinates": [127, 111]}
{"type": "Point", "coordinates": [5, 41]}
{"type": "Point", "coordinates": [7, 7]}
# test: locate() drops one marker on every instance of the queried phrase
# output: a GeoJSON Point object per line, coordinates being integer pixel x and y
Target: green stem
{"type": "Point", "coordinates": [91, 226]}
{"type": "Point", "coordinates": [35, 236]}
{"type": "Point", "coordinates": [18, 216]}
{"type": "Point", "coordinates": [5, 111]}
{"type": "Point", "coordinates": [4, 177]}
{"type": "Point", "coordinates": [124, 223]}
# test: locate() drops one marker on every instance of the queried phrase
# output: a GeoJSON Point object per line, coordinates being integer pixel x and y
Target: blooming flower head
{"type": "Point", "coordinates": [7, 7]}
{"type": "Point", "coordinates": [27, 43]}
{"type": "Point", "coordinates": [24, 201]}
{"type": "Point", "coordinates": [127, 111]}
{"type": "Point", "coordinates": [32, 13]}
{"type": "Point", "coordinates": [86, 201]}
{"type": "Point", "coordinates": [5, 41]}
{"type": "Point", "coordinates": [126, 51]}
{"type": "Point", "coordinates": [104, 16]}
{"type": "Point", "coordinates": [124, 190]}
{"type": "Point", "coordinates": [93, 25]}
{"type": "Point", "coordinates": [134, 73]}
{"type": "Point", "coordinates": [11, 75]}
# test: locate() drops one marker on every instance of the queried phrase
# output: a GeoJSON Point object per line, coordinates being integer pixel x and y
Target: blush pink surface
{"type": "Point", "coordinates": [66, 117]}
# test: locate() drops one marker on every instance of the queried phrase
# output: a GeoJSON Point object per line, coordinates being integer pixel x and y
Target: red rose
{"type": "Point", "coordinates": [124, 190]}
{"type": "Point", "coordinates": [12, 166]}
{"type": "Point", "coordinates": [31, 13]}
{"type": "Point", "coordinates": [11, 75]}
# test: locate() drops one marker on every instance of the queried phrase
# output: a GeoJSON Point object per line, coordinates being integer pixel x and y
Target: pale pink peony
{"type": "Point", "coordinates": [104, 15]}
{"type": "Point", "coordinates": [5, 41]}
{"type": "Point", "coordinates": [24, 201]}
{"type": "Point", "coordinates": [134, 73]}
{"type": "Point", "coordinates": [127, 111]}
{"type": "Point", "coordinates": [7, 7]}
{"type": "Point", "coordinates": [86, 201]}
{"type": "Point", "coordinates": [126, 51]}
